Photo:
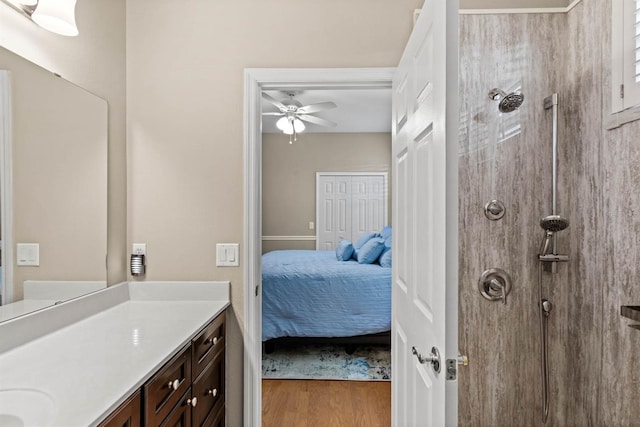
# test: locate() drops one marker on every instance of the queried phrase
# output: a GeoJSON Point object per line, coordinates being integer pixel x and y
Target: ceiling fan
{"type": "Point", "coordinates": [293, 114]}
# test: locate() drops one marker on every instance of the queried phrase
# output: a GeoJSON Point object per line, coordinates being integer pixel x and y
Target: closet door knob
{"type": "Point", "coordinates": [213, 392]}
{"type": "Point", "coordinates": [173, 385]}
{"type": "Point", "coordinates": [192, 402]}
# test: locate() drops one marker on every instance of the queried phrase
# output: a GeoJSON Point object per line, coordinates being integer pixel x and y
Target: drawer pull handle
{"type": "Point", "coordinates": [213, 340]}
{"type": "Point", "coordinates": [173, 385]}
{"type": "Point", "coordinates": [213, 392]}
{"type": "Point", "coordinates": [192, 402]}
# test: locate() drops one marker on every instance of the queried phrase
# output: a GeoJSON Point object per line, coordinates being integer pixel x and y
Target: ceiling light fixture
{"type": "Point", "coordinates": [57, 16]}
{"type": "Point", "coordinates": [289, 125]}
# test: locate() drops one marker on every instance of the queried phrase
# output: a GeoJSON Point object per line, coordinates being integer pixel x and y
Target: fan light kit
{"type": "Point", "coordinates": [57, 16]}
{"type": "Point", "coordinates": [294, 114]}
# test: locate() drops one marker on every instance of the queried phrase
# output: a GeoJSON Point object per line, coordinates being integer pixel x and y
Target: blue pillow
{"type": "Point", "coordinates": [385, 259]}
{"type": "Point", "coordinates": [370, 251]}
{"type": "Point", "coordinates": [361, 241]}
{"type": "Point", "coordinates": [385, 232]}
{"type": "Point", "coordinates": [364, 239]}
{"type": "Point", "coordinates": [344, 250]}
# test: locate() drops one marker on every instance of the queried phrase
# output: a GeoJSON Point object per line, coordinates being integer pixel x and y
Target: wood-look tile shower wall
{"type": "Point", "coordinates": [595, 370]}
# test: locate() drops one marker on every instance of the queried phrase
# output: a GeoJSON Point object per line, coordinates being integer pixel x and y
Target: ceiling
{"type": "Point", "coordinates": [359, 110]}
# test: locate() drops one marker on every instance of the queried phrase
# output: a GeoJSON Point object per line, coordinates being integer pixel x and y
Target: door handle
{"type": "Point", "coordinates": [433, 358]}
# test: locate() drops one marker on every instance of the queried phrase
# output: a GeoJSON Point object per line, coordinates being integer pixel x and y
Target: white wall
{"type": "Point", "coordinates": [185, 136]}
{"type": "Point", "coordinates": [94, 60]}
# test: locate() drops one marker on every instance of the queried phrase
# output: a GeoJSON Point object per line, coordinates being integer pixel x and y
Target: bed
{"type": "Point", "coordinates": [311, 294]}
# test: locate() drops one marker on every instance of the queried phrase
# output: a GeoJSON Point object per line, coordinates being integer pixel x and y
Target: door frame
{"type": "Point", "coordinates": [384, 175]}
{"type": "Point", "coordinates": [255, 81]}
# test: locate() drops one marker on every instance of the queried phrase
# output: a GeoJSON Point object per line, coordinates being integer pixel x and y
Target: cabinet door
{"type": "Point", "coordinates": [168, 385]}
{"type": "Point", "coordinates": [127, 415]}
{"type": "Point", "coordinates": [209, 389]}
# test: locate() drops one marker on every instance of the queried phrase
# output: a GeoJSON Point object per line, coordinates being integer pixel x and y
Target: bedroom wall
{"type": "Point", "coordinates": [94, 60]}
{"type": "Point", "coordinates": [289, 177]}
{"type": "Point", "coordinates": [185, 119]}
{"type": "Point", "coordinates": [594, 362]}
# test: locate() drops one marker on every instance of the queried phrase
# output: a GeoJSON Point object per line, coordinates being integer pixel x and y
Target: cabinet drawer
{"type": "Point", "coordinates": [164, 390]}
{"type": "Point", "coordinates": [127, 415]}
{"type": "Point", "coordinates": [180, 416]}
{"type": "Point", "coordinates": [208, 343]}
{"type": "Point", "coordinates": [209, 389]}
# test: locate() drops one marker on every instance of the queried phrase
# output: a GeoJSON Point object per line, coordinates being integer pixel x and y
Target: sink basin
{"type": "Point", "coordinates": [26, 408]}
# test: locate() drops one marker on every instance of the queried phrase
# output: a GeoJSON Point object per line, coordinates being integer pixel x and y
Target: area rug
{"type": "Point", "coordinates": [328, 362]}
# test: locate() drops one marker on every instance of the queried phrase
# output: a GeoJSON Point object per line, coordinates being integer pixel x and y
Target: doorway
{"type": "Point", "coordinates": [256, 81]}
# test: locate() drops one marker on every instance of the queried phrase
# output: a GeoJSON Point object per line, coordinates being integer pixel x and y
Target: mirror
{"type": "Point", "coordinates": [54, 188]}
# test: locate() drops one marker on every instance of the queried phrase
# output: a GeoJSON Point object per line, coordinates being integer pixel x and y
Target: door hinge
{"type": "Point", "coordinates": [452, 366]}
{"type": "Point", "coordinates": [621, 91]}
{"type": "Point", "coordinates": [257, 289]}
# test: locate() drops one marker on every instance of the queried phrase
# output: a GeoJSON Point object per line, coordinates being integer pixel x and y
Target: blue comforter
{"type": "Point", "coordinates": [312, 294]}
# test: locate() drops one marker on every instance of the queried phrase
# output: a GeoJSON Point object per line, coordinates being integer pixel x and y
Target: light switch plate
{"type": "Point", "coordinates": [28, 254]}
{"type": "Point", "coordinates": [227, 255]}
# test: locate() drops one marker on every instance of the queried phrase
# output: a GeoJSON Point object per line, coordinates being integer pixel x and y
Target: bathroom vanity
{"type": "Point", "coordinates": [153, 353]}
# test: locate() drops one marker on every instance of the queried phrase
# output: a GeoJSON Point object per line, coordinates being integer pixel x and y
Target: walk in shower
{"type": "Point", "coordinates": [558, 348]}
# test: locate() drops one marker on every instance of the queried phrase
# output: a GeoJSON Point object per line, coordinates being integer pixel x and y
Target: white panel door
{"type": "Point", "coordinates": [425, 223]}
{"type": "Point", "coordinates": [349, 205]}
{"type": "Point", "coordinates": [369, 204]}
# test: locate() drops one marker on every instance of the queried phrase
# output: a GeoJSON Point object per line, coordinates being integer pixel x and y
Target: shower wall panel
{"type": "Point", "coordinates": [605, 177]}
{"type": "Point", "coordinates": [507, 157]}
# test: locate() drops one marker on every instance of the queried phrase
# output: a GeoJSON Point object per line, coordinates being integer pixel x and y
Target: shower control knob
{"type": "Point", "coordinates": [495, 284]}
{"type": "Point", "coordinates": [494, 210]}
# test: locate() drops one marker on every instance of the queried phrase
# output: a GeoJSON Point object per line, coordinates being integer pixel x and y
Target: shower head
{"type": "Point", "coordinates": [509, 102]}
{"type": "Point", "coordinates": [551, 224]}
{"type": "Point", "coordinates": [554, 223]}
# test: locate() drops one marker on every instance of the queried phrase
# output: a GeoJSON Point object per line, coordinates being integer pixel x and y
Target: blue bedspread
{"type": "Point", "coordinates": [312, 294]}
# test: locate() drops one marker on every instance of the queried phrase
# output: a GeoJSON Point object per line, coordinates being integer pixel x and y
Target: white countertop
{"type": "Point", "coordinates": [88, 368]}
{"type": "Point", "coordinates": [19, 308]}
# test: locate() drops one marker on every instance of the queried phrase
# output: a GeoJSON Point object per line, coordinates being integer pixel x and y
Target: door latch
{"type": "Point", "coordinates": [452, 366]}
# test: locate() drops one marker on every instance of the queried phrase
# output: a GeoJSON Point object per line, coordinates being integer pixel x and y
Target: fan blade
{"type": "Point", "coordinates": [312, 108]}
{"type": "Point", "coordinates": [317, 120]}
{"type": "Point", "coordinates": [273, 114]}
{"type": "Point", "coordinates": [274, 101]}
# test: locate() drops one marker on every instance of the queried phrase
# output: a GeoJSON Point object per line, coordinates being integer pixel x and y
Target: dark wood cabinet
{"type": "Point", "coordinates": [127, 415]}
{"type": "Point", "coordinates": [189, 390]}
{"type": "Point", "coordinates": [166, 388]}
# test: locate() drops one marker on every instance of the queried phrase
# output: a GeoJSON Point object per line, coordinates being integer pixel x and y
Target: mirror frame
{"type": "Point", "coordinates": [6, 192]}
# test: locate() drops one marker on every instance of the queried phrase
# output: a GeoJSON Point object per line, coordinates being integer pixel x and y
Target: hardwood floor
{"type": "Point", "coordinates": [313, 403]}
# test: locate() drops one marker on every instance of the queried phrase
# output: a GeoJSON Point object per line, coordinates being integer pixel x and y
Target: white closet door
{"type": "Point", "coordinates": [334, 211]}
{"type": "Point", "coordinates": [368, 201]}
{"type": "Point", "coordinates": [349, 205]}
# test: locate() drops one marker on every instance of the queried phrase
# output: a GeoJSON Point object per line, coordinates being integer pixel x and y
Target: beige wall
{"type": "Point", "coordinates": [95, 60]}
{"type": "Point", "coordinates": [289, 177]}
{"type": "Point", "coordinates": [185, 137]}
{"type": "Point", "coordinates": [59, 140]}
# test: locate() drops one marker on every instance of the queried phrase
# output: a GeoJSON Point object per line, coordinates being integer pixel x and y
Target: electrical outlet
{"type": "Point", "coordinates": [312, 225]}
{"type": "Point", "coordinates": [139, 249]}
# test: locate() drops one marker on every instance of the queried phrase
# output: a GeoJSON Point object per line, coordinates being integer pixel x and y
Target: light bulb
{"type": "Point", "coordinates": [57, 16]}
{"type": "Point", "coordinates": [297, 124]}
{"type": "Point", "coordinates": [283, 124]}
